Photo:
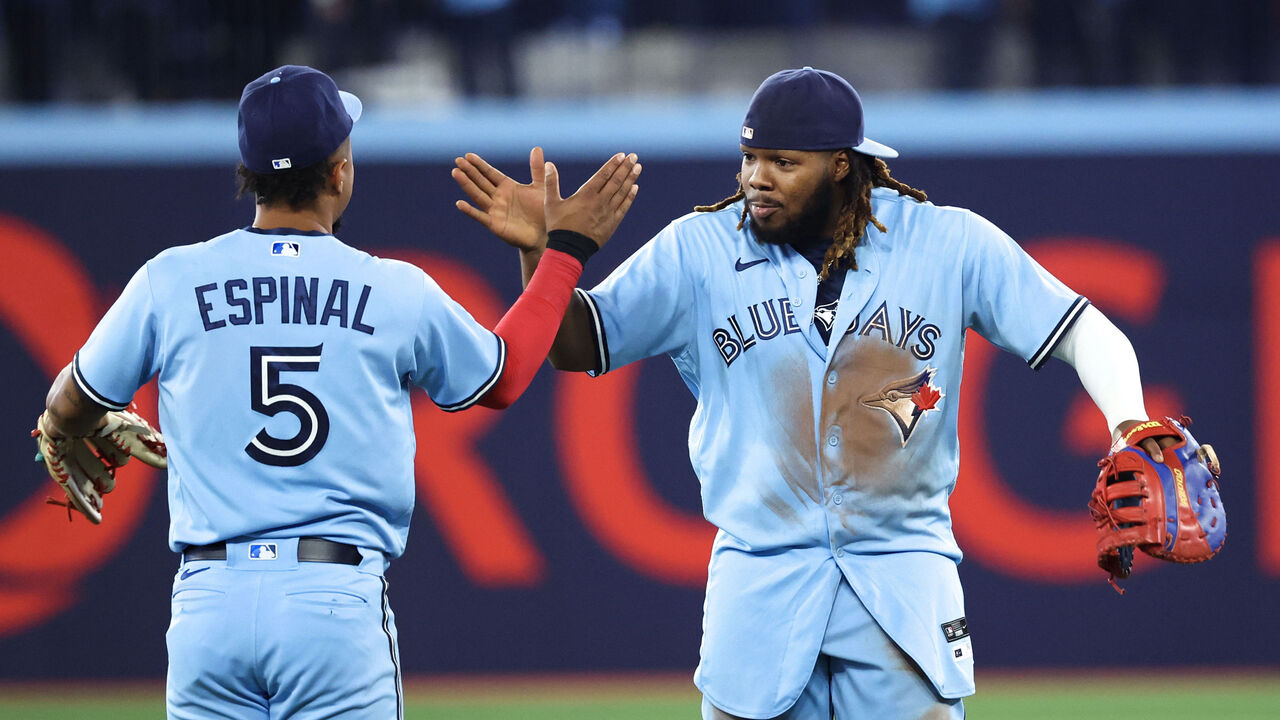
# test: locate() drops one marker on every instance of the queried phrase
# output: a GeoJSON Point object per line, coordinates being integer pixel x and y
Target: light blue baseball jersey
{"type": "Point", "coordinates": [820, 461]}
{"type": "Point", "coordinates": [285, 360]}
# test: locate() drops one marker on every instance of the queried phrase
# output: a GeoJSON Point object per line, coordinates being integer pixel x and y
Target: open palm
{"type": "Point", "coordinates": [513, 211]}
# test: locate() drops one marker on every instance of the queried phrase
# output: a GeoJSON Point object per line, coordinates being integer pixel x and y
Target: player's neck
{"type": "Point", "coordinates": [313, 218]}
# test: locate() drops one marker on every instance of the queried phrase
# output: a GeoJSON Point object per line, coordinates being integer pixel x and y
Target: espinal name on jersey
{"type": "Point", "coordinates": [289, 300]}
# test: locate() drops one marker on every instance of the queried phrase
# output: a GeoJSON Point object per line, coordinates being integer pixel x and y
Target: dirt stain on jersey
{"type": "Point", "coordinates": [937, 712]}
{"type": "Point", "coordinates": [780, 507]}
{"type": "Point", "coordinates": [795, 451]}
{"type": "Point", "coordinates": [870, 446]}
{"type": "Point", "coordinates": [901, 661]}
{"type": "Point", "coordinates": [905, 664]}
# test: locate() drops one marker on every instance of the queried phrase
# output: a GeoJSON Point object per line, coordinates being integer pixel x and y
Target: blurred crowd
{"type": "Point", "coordinates": [93, 50]}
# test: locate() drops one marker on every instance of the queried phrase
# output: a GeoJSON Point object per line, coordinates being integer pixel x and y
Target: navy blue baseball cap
{"type": "Point", "coordinates": [808, 109]}
{"type": "Point", "coordinates": [293, 117]}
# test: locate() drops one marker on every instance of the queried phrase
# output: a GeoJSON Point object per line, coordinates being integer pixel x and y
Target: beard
{"type": "Point", "coordinates": [807, 225]}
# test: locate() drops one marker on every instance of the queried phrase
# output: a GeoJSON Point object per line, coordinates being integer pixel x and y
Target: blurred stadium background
{"type": "Point", "coordinates": [556, 560]}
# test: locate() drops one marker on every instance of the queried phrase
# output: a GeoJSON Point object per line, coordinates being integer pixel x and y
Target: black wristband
{"type": "Point", "coordinates": [572, 243]}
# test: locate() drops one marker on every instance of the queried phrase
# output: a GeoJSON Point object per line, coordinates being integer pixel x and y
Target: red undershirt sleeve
{"type": "Point", "coordinates": [530, 326]}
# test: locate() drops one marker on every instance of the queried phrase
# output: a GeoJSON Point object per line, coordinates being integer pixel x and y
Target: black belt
{"type": "Point", "coordinates": [310, 549]}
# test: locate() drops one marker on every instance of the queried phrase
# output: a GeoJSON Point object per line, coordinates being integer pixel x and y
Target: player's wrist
{"type": "Point", "coordinates": [51, 427]}
{"type": "Point", "coordinates": [575, 244]}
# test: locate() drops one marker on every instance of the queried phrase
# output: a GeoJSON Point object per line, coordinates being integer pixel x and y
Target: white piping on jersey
{"type": "Point", "coordinates": [602, 353]}
{"type": "Point", "coordinates": [1068, 319]}
{"type": "Point", "coordinates": [486, 386]}
{"type": "Point", "coordinates": [391, 642]}
{"type": "Point", "coordinates": [85, 388]}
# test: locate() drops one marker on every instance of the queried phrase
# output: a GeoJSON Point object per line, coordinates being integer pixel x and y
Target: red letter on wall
{"type": "Point", "coordinates": [49, 303]}
{"type": "Point", "coordinates": [610, 489]}
{"type": "Point", "coordinates": [461, 492]}
{"type": "Point", "coordinates": [1267, 284]}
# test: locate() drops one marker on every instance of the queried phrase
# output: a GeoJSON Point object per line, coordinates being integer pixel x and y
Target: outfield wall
{"type": "Point", "coordinates": [564, 533]}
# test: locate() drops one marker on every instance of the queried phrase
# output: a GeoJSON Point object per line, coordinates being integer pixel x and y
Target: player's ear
{"type": "Point", "coordinates": [839, 165]}
{"type": "Point", "coordinates": [335, 175]}
{"type": "Point", "coordinates": [341, 160]}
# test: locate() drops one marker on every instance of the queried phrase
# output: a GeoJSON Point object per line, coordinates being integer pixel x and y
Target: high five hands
{"type": "Point", "coordinates": [522, 213]}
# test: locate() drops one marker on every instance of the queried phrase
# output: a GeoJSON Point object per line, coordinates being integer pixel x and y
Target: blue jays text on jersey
{"type": "Point", "coordinates": [826, 457]}
{"type": "Point", "coordinates": [773, 317]}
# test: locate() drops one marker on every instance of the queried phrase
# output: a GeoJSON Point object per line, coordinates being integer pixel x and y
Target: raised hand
{"type": "Point", "coordinates": [599, 205]}
{"type": "Point", "coordinates": [513, 211]}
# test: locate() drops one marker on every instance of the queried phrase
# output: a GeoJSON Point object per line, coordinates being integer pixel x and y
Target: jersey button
{"type": "Point", "coordinates": [837, 498]}
{"type": "Point", "coordinates": [839, 552]}
{"type": "Point", "coordinates": [797, 302]}
{"type": "Point", "coordinates": [804, 273]}
{"type": "Point", "coordinates": [832, 377]}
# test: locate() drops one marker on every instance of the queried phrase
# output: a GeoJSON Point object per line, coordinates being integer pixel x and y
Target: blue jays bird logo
{"type": "Point", "coordinates": [907, 400]}
{"type": "Point", "coordinates": [826, 314]}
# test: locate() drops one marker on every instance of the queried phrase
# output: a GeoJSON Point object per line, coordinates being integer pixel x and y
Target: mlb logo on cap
{"type": "Point", "coordinates": [281, 164]}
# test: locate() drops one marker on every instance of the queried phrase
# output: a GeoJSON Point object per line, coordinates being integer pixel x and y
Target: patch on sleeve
{"type": "Point", "coordinates": [957, 629]}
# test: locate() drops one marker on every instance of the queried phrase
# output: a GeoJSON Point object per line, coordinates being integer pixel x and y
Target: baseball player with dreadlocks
{"type": "Point", "coordinates": [818, 316]}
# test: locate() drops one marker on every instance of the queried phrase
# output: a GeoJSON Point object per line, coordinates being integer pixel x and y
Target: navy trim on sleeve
{"type": "Point", "coordinates": [484, 387]}
{"type": "Point", "coordinates": [597, 333]}
{"type": "Point", "coordinates": [1069, 318]}
{"type": "Point", "coordinates": [87, 390]}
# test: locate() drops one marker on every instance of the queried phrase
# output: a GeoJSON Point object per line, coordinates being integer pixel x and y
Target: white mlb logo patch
{"type": "Point", "coordinates": [263, 551]}
{"type": "Point", "coordinates": [282, 164]}
{"type": "Point", "coordinates": [747, 132]}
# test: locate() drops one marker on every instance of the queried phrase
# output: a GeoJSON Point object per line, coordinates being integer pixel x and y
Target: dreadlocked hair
{"type": "Point", "coordinates": [865, 172]}
{"type": "Point", "coordinates": [727, 202]}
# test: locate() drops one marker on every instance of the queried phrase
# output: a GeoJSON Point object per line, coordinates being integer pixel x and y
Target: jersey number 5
{"type": "Point", "coordinates": [272, 397]}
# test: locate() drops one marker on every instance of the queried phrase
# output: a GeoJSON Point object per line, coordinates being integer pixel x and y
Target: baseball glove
{"type": "Point", "coordinates": [85, 467]}
{"type": "Point", "coordinates": [1169, 510]}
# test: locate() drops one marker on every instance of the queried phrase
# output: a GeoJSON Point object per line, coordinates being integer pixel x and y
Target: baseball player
{"type": "Point", "coordinates": [285, 359]}
{"type": "Point", "coordinates": [819, 316]}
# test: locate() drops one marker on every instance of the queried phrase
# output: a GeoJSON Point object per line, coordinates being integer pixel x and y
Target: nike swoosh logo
{"type": "Point", "coordinates": [740, 266]}
{"type": "Point", "coordinates": [188, 573]}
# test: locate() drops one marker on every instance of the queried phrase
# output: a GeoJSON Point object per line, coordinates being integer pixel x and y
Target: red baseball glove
{"type": "Point", "coordinates": [1169, 510]}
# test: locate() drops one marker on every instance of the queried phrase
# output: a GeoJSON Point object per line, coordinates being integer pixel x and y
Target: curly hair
{"type": "Point", "coordinates": [297, 187]}
{"type": "Point", "coordinates": [865, 172]}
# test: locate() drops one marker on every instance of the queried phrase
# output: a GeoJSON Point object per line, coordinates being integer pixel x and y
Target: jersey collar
{"type": "Point", "coordinates": [285, 231]}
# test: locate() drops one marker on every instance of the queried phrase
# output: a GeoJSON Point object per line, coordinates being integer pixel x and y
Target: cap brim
{"type": "Point", "coordinates": [875, 149]}
{"type": "Point", "coordinates": [355, 107]}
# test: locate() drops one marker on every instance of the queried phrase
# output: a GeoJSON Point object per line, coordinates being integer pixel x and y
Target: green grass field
{"type": "Point", "coordinates": [1003, 696]}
